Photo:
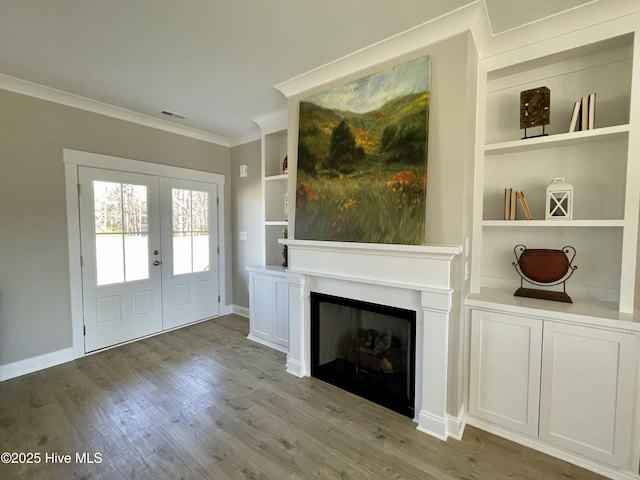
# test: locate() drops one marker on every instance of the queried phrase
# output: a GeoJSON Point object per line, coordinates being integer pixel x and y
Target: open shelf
{"type": "Point", "coordinates": [601, 164]}
{"type": "Point", "coordinates": [557, 140]}
{"type": "Point", "coordinates": [553, 223]}
{"type": "Point", "coordinates": [588, 312]}
{"type": "Point", "coordinates": [277, 178]}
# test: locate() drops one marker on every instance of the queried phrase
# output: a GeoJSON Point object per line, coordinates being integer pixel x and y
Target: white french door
{"type": "Point", "coordinates": [150, 254]}
{"type": "Point", "coordinates": [190, 242]}
{"type": "Point", "coordinates": [120, 238]}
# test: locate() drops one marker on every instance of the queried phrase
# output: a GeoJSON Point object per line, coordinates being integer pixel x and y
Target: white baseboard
{"type": "Point", "coordinates": [294, 367]}
{"type": "Point", "coordinates": [455, 425]}
{"type": "Point", "coordinates": [239, 310]}
{"type": "Point", "coordinates": [433, 425]}
{"type": "Point", "coordinates": [267, 343]}
{"type": "Point", "coordinates": [33, 364]}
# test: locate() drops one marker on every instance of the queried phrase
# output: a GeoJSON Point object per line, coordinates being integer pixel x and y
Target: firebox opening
{"type": "Point", "coordinates": [366, 349]}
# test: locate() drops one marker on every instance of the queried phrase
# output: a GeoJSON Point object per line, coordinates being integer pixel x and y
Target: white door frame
{"type": "Point", "coordinates": [72, 160]}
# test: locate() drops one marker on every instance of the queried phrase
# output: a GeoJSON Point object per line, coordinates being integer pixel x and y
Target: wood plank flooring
{"type": "Point", "coordinates": [203, 402]}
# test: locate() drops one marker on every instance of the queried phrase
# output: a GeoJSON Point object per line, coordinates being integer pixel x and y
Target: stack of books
{"type": "Point", "coordinates": [584, 114]}
{"type": "Point", "coordinates": [511, 200]}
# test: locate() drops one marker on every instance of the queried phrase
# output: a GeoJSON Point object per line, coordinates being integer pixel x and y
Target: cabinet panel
{"type": "Point", "coordinates": [261, 306]}
{"type": "Point", "coordinates": [505, 370]}
{"type": "Point", "coordinates": [281, 330]}
{"type": "Point", "coordinates": [587, 391]}
{"type": "Point", "coordinates": [269, 307]}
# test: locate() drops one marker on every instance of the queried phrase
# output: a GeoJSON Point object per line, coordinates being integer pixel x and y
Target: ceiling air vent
{"type": "Point", "coordinates": [173, 114]}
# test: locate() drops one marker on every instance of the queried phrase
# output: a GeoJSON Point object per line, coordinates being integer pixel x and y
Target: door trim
{"type": "Point", "coordinates": [72, 160]}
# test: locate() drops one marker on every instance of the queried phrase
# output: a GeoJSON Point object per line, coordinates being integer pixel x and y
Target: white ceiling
{"type": "Point", "coordinates": [215, 61]}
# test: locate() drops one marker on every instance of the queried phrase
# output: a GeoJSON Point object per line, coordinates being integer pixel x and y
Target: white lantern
{"type": "Point", "coordinates": [559, 203]}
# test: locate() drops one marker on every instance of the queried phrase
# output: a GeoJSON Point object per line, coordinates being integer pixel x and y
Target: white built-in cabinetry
{"type": "Point", "coordinates": [268, 294]}
{"type": "Point", "coordinates": [561, 377]}
{"type": "Point", "coordinates": [269, 307]}
{"type": "Point", "coordinates": [505, 370]}
{"type": "Point", "coordinates": [568, 385]}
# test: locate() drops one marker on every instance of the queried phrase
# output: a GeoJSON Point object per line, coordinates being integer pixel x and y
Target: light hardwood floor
{"type": "Point", "coordinates": [203, 402]}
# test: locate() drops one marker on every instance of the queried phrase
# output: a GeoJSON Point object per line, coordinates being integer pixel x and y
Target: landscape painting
{"type": "Point", "coordinates": [362, 159]}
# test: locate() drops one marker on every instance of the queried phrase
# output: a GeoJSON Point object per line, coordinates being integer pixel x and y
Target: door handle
{"type": "Point", "coordinates": [157, 262]}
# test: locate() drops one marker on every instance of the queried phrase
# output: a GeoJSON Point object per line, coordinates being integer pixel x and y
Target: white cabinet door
{"type": "Point", "coordinates": [269, 308]}
{"type": "Point", "coordinates": [586, 402]}
{"type": "Point", "coordinates": [281, 314]}
{"type": "Point", "coordinates": [261, 304]}
{"type": "Point", "coordinates": [505, 370]}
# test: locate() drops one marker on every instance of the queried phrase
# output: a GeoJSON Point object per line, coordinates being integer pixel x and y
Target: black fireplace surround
{"type": "Point", "coordinates": [366, 349]}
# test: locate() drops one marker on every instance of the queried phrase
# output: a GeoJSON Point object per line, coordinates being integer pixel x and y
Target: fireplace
{"type": "Point", "coordinates": [366, 349]}
{"type": "Point", "coordinates": [417, 278]}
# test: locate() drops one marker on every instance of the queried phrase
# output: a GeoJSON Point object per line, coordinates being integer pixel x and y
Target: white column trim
{"type": "Point", "coordinates": [433, 418]}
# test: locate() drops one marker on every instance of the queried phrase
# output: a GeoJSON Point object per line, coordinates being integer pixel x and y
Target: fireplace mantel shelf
{"type": "Point", "coordinates": [375, 248]}
{"type": "Point", "coordinates": [421, 268]}
{"type": "Point", "coordinates": [365, 280]}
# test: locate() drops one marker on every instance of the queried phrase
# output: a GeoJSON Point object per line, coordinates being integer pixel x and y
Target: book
{"type": "Point", "coordinates": [524, 206]}
{"type": "Point", "coordinates": [513, 204]}
{"type": "Point", "coordinates": [592, 111]}
{"type": "Point", "coordinates": [585, 113]}
{"type": "Point", "coordinates": [575, 117]}
{"type": "Point", "coordinates": [507, 203]}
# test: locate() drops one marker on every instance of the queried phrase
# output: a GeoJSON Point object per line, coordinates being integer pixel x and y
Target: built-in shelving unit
{"type": "Point", "coordinates": [274, 187]}
{"type": "Point", "coordinates": [600, 164]}
{"type": "Point", "coordinates": [268, 288]}
{"type": "Point", "coordinates": [540, 372]}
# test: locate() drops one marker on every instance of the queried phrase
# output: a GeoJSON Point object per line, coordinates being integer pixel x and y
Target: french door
{"type": "Point", "coordinates": [149, 249]}
{"type": "Point", "coordinates": [188, 232]}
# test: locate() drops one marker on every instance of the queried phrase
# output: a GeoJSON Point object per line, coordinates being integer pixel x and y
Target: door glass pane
{"type": "Point", "coordinates": [109, 259]}
{"type": "Point", "coordinates": [181, 210]}
{"type": "Point", "coordinates": [121, 232]}
{"type": "Point", "coordinates": [200, 202]}
{"type": "Point", "coordinates": [190, 224]}
{"type": "Point", "coordinates": [134, 200]}
{"type": "Point", "coordinates": [136, 257]}
{"type": "Point", "coordinates": [181, 253]}
{"type": "Point", "coordinates": [107, 197]}
{"type": "Point", "coordinates": [200, 252]}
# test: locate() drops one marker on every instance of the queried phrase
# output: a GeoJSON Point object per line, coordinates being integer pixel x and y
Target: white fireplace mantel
{"type": "Point", "coordinates": [416, 277]}
{"type": "Point", "coordinates": [403, 266]}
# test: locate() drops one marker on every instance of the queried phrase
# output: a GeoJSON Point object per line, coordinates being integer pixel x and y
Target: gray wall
{"type": "Point", "coordinates": [34, 274]}
{"type": "Point", "coordinates": [246, 204]}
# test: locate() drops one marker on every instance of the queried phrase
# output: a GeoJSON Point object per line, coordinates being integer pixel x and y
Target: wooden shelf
{"type": "Point", "coordinates": [276, 178]}
{"type": "Point", "coordinates": [553, 223]}
{"type": "Point", "coordinates": [559, 140]}
{"type": "Point", "coordinates": [586, 312]}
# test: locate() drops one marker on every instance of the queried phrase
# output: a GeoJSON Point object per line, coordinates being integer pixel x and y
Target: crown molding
{"type": "Point", "coordinates": [244, 138]}
{"type": "Point", "coordinates": [554, 27]}
{"type": "Point", "coordinates": [41, 92]}
{"type": "Point", "coordinates": [272, 121]}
